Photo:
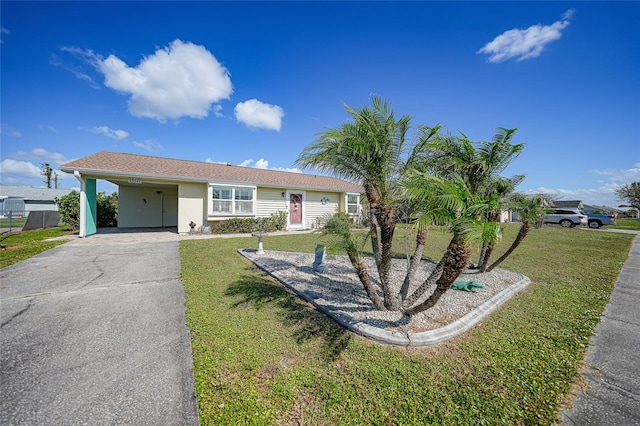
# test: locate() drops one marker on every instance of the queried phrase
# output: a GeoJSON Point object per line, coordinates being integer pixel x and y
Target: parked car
{"type": "Point", "coordinates": [567, 218]}
{"type": "Point", "coordinates": [597, 220]}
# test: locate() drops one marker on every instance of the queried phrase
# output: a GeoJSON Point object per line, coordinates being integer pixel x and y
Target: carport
{"type": "Point", "coordinates": [141, 204]}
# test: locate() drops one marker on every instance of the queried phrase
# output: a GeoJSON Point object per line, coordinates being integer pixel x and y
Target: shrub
{"type": "Point", "coordinates": [107, 209]}
{"type": "Point", "coordinates": [69, 209]}
{"type": "Point", "coordinates": [275, 222]}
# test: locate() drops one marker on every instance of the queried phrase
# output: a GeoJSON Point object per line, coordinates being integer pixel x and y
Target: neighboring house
{"type": "Point", "coordinates": [631, 212]}
{"type": "Point", "coordinates": [588, 209]}
{"type": "Point", "coordinates": [165, 192]}
{"type": "Point", "coordinates": [572, 204]}
{"type": "Point", "coordinates": [21, 200]}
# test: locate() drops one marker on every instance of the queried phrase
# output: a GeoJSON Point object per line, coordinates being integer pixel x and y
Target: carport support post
{"type": "Point", "coordinates": [88, 206]}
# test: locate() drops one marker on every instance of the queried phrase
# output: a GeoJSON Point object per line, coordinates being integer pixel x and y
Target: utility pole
{"type": "Point", "coordinates": [46, 172]}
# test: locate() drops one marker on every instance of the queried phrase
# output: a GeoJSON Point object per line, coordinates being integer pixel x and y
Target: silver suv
{"type": "Point", "coordinates": [567, 218]}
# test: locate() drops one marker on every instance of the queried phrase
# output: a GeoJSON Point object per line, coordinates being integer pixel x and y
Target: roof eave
{"type": "Point", "coordinates": [106, 174]}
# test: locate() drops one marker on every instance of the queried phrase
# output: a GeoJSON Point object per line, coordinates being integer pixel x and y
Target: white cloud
{"type": "Point", "coordinates": [25, 167]}
{"type": "Point", "coordinates": [217, 111]}
{"type": "Point", "coordinates": [527, 43]}
{"type": "Point", "coordinates": [86, 56]}
{"type": "Point", "coordinates": [260, 164]}
{"type": "Point", "coordinates": [287, 169]}
{"type": "Point", "coordinates": [603, 195]}
{"type": "Point", "coordinates": [9, 131]}
{"type": "Point", "coordinates": [19, 168]}
{"type": "Point", "coordinates": [209, 160]}
{"type": "Point", "coordinates": [149, 145]}
{"type": "Point", "coordinates": [264, 164]}
{"type": "Point", "coordinates": [111, 133]}
{"type": "Point", "coordinates": [621, 175]}
{"type": "Point", "coordinates": [256, 114]}
{"type": "Point", "coordinates": [41, 155]}
{"type": "Point", "coordinates": [3, 30]}
{"type": "Point", "coordinates": [182, 79]}
{"type": "Point", "coordinates": [47, 127]}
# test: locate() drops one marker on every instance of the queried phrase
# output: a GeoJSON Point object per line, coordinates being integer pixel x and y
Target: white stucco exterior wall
{"type": "Point", "coordinates": [146, 207]}
{"type": "Point", "coordinates": [192, 205]}
{"type": "Point", "coordinates": [139, 207]}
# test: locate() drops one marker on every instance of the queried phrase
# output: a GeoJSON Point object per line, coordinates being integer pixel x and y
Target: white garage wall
{"type": "Point", "coordinates": [192, 205]}
{"type": "Point", "coordinates": [139, 207]}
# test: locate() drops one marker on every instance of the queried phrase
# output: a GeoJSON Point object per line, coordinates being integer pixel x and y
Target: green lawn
{"type": "Point", "coordinates": [15, 222]}
{"type": "Point", "coordinates": [632, 224]}
{"type": "Point", "coordinates": [23, 245]}
{"type": "Point", "coordinates": [262, 356]}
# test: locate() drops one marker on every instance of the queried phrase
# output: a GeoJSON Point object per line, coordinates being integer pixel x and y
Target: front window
{"type": "Point", "coordinates": [221, 200]}
{"type": "Point", "coordinates": [231, 200]}
{"type": "Point", "coordinates": [353, 203]}
{"type": "Point", "coordinates": [244, 200]}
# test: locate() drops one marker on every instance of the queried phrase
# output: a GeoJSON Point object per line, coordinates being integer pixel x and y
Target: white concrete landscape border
{"type": "Point", "coordinates": [424, 338]}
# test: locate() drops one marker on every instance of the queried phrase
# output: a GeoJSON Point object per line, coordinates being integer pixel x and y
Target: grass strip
{"type": "Point", "coordinates": [630, 224]}
{"type": "Point", "coordinates": [262, 356]}
{"type": "Point", "coordinates": [26, 244]}
{"type": "Point", "coordinates": [16, 222]}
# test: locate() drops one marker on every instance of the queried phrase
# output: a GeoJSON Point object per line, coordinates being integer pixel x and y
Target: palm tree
{"type": "Point", "coordinates": [452, 203]}
{"type": "Point", "coordinates": [503, 188]}
{"type": "Point", "coordinates": [371, 150]}
{"type": "Point", "coordinates": [447, 180]}
{"type": "Point", "coordinates": [529, 211]}
{"type": "Point", "coordinates": [480, 167]}
{"type": "Point", "coordinates": [339, 226]}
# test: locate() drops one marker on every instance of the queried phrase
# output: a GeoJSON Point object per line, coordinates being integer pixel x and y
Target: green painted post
{"type": "Point", "coordinates": [91, 208]}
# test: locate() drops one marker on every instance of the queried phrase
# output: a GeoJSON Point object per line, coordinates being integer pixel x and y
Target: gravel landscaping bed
{"type": "Point", "coordinates": [339, 293]}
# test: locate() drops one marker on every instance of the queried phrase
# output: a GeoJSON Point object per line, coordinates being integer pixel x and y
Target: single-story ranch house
{"type": "Point", "coordinates": [165, 192]}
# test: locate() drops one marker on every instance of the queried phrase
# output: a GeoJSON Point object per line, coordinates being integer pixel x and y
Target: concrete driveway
{"type": "Point", "coordinates": [93, 332]}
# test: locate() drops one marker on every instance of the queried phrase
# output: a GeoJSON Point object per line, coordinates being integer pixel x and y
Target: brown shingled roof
{"type": "Point", "coordinates": [111, 165]}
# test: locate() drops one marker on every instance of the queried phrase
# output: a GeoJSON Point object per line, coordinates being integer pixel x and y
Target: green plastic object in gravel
{"type": "Point", "coordinates": [466, 285]}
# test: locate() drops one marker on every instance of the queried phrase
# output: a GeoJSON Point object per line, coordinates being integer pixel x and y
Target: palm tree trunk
{"type": "Point", "coordinates": [363, 275]}
{"type": "Point", "coordinates": [487, 249]}
{"type": "Point", "coordinates": [420, 291]}
{"type": "Point", "coordinates": [375, 244]}
{"type": "Point", "coordinates": [374, 211]}
{"type": "Point", "coordinates": [454, 261]}
{"type": "Point", "coordinates": [387, 222]}
{"type": "Point", "coordinates": [524, 230]}
{"type": "Point", "coordinates": [487, 256]}
{"type": "Point", "coordinates": [385, 218]}
{"type": "Point", "coordinates": [421, 238]}
{"type": "Point", "coordinates": [483, 253]}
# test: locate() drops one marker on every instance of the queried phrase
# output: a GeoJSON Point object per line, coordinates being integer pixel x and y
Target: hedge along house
{"type": "Point", "coordinates": [159, 192]}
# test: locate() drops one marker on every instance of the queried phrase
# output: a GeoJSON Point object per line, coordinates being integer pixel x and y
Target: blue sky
{"type": "Point", "coordinates": [253, 83]}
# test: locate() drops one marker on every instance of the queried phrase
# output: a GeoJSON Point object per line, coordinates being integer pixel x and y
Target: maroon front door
{"type": "Point", "coordinates": [295, 209]}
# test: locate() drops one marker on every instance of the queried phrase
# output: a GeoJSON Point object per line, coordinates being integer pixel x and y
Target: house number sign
{"type": "Point", "coordinates": [135, 180]}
